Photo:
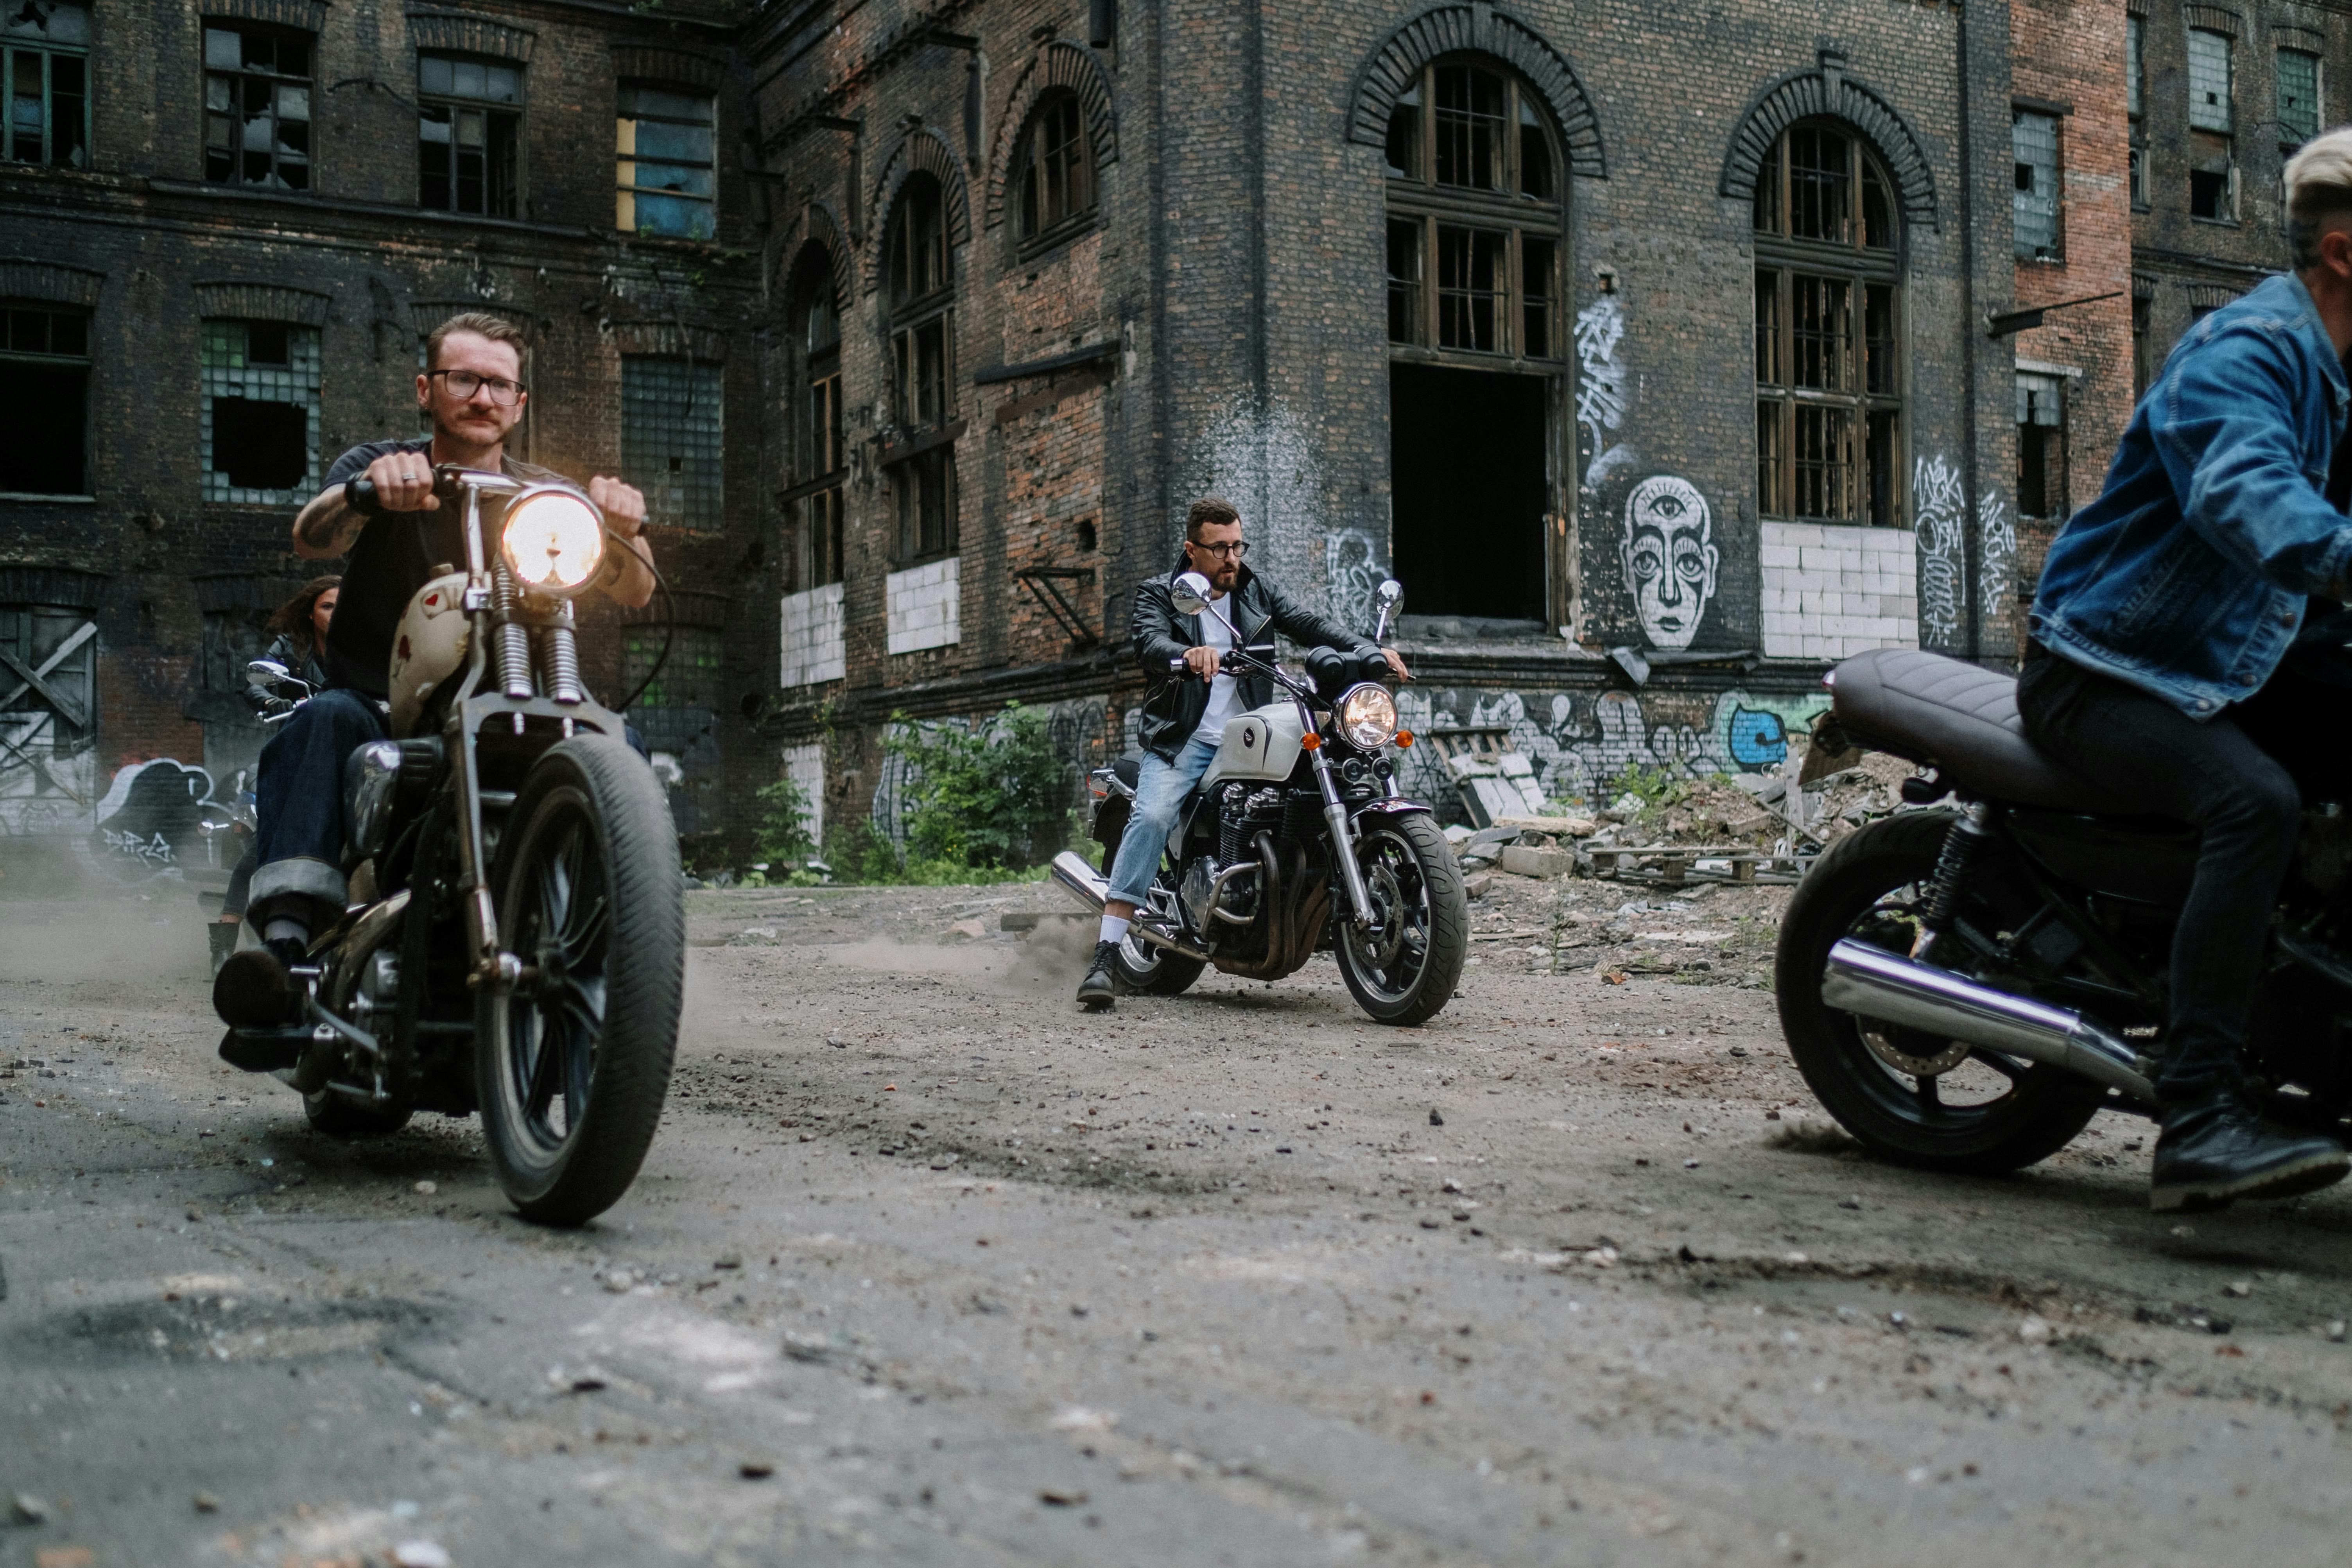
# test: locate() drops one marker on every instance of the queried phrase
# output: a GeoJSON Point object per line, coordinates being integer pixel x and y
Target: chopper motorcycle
{"type": "Point", "coordinates": [1965, 987]}
{"type": "Point", "coordinates": [515, 936]}
{"type": "Point", "coordinates": [1296, 838]}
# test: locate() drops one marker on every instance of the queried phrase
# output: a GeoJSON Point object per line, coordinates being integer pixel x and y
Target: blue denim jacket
{"type": "Point", "coordinates": [2188, 577]}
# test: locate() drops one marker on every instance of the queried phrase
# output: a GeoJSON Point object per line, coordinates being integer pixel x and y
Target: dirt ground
{"type": "Point", "coordinates": [927, 1266]}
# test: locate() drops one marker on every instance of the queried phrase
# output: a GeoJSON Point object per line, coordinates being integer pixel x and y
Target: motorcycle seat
{"type": "Point", "coordinates": [1128, 769]}
{"type": "Point", "coordinates": [1961, 718]}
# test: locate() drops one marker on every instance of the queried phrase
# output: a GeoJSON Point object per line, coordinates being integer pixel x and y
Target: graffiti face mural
{"type": "Point", "coordinates": [1669, 557]}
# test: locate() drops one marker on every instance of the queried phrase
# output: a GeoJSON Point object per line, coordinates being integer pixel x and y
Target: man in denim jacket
{"type": "Point", "coordinates": [2189, 654]}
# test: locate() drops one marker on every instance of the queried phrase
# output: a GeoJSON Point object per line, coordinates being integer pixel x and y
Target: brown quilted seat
{"type": "Point", "coordinates": [1961, 720]}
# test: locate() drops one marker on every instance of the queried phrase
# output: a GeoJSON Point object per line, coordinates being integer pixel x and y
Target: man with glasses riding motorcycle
{"type": "Point", "coordinates": [2191, 655]}
{"type": "Point", "coordinates": [471, 390]}
{"type": "Point", "coordinates": [1183, 718]}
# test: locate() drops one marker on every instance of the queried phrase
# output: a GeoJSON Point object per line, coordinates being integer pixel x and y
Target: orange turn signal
{"type": "Point", "coordinates": [1310, 740]}
{"type": "Point", "coordinates": [1404, 737]}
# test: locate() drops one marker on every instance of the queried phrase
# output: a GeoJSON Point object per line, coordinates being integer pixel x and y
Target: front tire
{"type": "Point", "coordinates": [1408, 972]}
{"type": "Point", "coordinates": [1958, 1109]}
{"type": "Point", "coordinates": [573, 1063]}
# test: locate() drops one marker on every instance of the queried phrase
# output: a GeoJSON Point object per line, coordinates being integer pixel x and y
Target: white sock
{"type": "Point", "coordinates": [286, 928]}
{"type": "Point", "coordinates": [1113, 928]}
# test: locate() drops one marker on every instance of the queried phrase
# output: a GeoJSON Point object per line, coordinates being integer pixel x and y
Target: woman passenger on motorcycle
{"type": "Point", "coordinates": [300, 643]}
{"type": "Point", "coordinates": [2189, 655]}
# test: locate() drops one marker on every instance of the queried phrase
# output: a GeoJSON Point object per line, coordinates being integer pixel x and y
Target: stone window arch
{"type": "Point", "coordinates": [1060, 67]}
{"type": "Point", "coordinates": [1828, 220]}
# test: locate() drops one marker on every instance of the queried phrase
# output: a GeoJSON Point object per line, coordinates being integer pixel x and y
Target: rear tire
{"type": "Point", "coordinates": [1144, 970]}
{"type": "Point", "coordinates": [1868, 886]}
{"type": "Point", "coordinates": [573, 1065]}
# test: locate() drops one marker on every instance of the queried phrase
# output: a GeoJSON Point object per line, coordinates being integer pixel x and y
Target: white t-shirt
{"type": "Point", "coordinates": [1224, 693]}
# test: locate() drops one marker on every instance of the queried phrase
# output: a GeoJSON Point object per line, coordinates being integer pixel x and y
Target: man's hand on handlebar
{"type": "Point", "coordinates": [403, 482]}
{"type": "Point", "coordinates": [1202, 662]}
{"type": "Point", "coordinates": [1396, 663]}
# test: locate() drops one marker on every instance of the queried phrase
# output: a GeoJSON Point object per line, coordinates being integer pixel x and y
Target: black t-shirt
{"type": "Point", "coordinates": [396, 555]}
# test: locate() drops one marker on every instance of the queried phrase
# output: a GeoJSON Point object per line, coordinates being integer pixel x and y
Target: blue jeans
{"type": "Point", "coordinates": [298, 808]}
{"type": "Point", "coordinates": [1159, 792]}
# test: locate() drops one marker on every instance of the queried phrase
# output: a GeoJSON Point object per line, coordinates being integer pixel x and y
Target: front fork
{"type": "Point", "coordinates": [1343, 832]}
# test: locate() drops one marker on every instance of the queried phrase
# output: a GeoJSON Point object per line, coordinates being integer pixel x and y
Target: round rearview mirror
{"type": "Point", "coordinates": [1392, 593]}
{"type": "Point", "coordinates": [1189, 591]}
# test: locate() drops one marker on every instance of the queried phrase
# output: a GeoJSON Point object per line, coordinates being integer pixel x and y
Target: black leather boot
{"type": "Point", "coordinates": [253, 990]}
{"type": "Point", "coordinates": [2214, 1150]}
{"type": "Point", "coordinates": [1099, 990]}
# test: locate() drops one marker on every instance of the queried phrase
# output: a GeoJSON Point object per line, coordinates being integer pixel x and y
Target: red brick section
{"type": "Point", "coordinates": [2072, 51]}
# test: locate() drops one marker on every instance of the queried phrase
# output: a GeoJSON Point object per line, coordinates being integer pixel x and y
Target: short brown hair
{"type": "Point", "coordinates": [482, 325]}
{"type": "Point", "coordinates": [1209, 511]}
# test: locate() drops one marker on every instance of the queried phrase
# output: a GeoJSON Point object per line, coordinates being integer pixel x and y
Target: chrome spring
{"type": "Point", "coordinates": [564, 664]}
{"type": "Point", "coordinates": [514, 639]}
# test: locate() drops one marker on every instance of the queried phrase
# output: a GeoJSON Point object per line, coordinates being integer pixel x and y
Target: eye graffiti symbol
{"type": "Point", "coordinates": [1669, 558]}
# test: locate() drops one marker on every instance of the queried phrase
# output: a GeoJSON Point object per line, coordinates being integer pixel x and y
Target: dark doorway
{"type": "Point", "coordinates": [1466, 449]}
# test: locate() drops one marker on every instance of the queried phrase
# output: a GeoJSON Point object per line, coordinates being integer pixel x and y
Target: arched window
{"type": "Point", "coordinates": [1829, 314]}
{"type": "Point", "coordinates": [820, 460]}
{"type": "Point", "coordinates": [1056, 171]}
{"type": "Point", "coordinates": [921, 299]}
{"type": "Point", "coordinates": [1475, 216]}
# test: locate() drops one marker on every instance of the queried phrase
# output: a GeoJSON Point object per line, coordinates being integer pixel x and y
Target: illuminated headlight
{"type": "Point", "coordinates": [1367, 718]}
{"type": "Point", "coordinates": [554, 540]}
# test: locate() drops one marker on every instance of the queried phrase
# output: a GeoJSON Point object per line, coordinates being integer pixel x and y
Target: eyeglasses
{"type": "Point", "coordinates": [1234, 550]}
{"type": "Point", "coordinates": [464, 383]}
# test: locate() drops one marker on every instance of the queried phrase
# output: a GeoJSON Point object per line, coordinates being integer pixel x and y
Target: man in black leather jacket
{"type": "Point", "coordinates": [1184, 716]}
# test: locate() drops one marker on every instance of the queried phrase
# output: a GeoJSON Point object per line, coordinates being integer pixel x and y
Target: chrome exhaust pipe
{"type": "Point", "coordinates": [1876, 983]}
{"type": "Point", "coordinates": [1092, 889]}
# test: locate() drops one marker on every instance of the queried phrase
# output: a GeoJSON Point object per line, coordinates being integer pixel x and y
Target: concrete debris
{"type": "Point", "coordinates": [965, 930]}
{"type": "Point", "coordinates": [425, 1189]}
{"type": "Point", "coordinates": [755, 1469]}
{"type": "Point", "coordinates": [420, 1554]}
{"type": "Point", "coordinates": [205, 1502]}
{"type": "Point", "coordinates": [27, 1509]}
{"type": "Point", "coordinates": [2036, 1331]}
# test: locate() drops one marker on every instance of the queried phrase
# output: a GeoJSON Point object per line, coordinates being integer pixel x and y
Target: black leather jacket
{"type": "Point", "coordinates": [1172, 706]}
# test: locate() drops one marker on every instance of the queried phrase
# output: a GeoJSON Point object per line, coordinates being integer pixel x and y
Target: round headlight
{"type": "Point", "coordinates": [1368, 717]}
{"type": "Point", "coordinates": [554, 540]}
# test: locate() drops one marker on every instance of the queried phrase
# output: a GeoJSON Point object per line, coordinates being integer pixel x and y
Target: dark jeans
{"type": "Point", "coordinates": [298, 808]}
{"type": "Point", "coordinates": [2240, 780]}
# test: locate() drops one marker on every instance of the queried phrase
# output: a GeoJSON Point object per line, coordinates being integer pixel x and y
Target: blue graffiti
{"type": "Point", "coordinates": [1757, 737]}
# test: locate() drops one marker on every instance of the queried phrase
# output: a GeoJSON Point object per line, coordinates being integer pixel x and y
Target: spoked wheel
{"type": "Point", "coordinates": [1405, 970]}
{"type": "Point", "coordinates": [1904, 1093]}
{"type": "Point", "coordinates": [573, 1061]}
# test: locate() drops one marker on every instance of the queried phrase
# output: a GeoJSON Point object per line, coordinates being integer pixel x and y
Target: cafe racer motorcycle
{"type": "Point", "coordinates": [1965, 987]}
{"type": "Point", "coordinates": [1296, 838]}
{"type": "Point", "coordinates": [515, 936]}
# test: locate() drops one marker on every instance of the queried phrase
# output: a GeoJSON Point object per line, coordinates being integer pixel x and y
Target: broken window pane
{"type": "Point", "coordinates": [2212, 177]}
{"type": "Point", "coordinates": [2033, 139]}
{"type": "Point", "coordinates": [468, 156]}
{"type": "Point", "coordinates": [666, 166]}
{"type": "Point", "coordinates": [1820, 181]}
{"type": "Point", "coordinates": [2298, 98]}
{"type": "Point", "coordinates": [1056, 174]}
{"type": "Point", "coordinates": [2210, 106]}
{"type": "Point", "coordinates": [44, 400]}
{"type": "Point", "coordinates": [1823, 320]}
{"type": "Point", "coordinates": [1538, 287]}
{"type": "Point", "coordinates": [1404, 145]}
{"type": "Point", "coordinates": [1404, 282]}
{"type": "Point", "coordinates": [918, 243]}
{"type": "Point", "coordinates": [1470, 128]}
{"type": "Point", "coordinates": [2041, 447]}
{"type": "Point", "coordinates": [1825, 461]}
{"type": "Point", "coordinates": [44, 66]}
{"type": "Point", "coordinates": [259, 417]}
{"type": "Point", "coordinates": [257, 106]}
{"type": "Point", "coordinates": [925, 486]}
{"type": "Point", "coordinates": [671, 427]}
{"type": "Point", "coordinates": [1535, 173]}
{"type": "Point", "coordinates": [1470, 263]}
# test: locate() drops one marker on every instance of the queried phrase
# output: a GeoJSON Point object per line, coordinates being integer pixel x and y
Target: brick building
{"type": "Point", "coordinates": [1604, 325]}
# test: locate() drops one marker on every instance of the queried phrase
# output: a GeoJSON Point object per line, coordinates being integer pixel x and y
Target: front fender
{"type": "Point", "coordinates": [1395, 805]}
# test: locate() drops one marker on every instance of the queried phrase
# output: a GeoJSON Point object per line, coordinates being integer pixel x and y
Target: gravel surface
{"type": "Point", "coordinates": [928, 1266]}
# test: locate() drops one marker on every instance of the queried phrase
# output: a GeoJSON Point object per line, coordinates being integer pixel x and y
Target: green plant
{"type": "Point", "coordinates": [784, 841]}
{"type": "Point", "coordinates": [1653, 787]}
{"type": "Point", "coordinates": [993, 797]}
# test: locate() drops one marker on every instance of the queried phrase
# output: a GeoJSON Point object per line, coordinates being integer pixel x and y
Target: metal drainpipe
{"type": "Point", "coordinates": [1969, 542]}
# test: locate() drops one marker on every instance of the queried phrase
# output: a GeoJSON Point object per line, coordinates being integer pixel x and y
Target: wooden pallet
{"type": "Point", "coordinates": [1679, 864]}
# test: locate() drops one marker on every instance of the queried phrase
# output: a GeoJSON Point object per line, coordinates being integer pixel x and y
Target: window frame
{"type": "Point", "coordinates": [917, 318]}
{"type": "Point", "coordinates": [1036, 234]}
{"type": "Point", "coordinates": [49, 51]}
{"type": "Point", "coordinates": [213, 482]}
{"type": "Point", "coordinates": [1859, 268]}
{"type": "Point", "coordinates": [815, 556]}
{"type": "Point", "coordinates": [1532, 230]}
{"type": "Point", "coordinates": [631, 191]}
{"type": "Point", "coordinates": [2220, 124]}
{"type": "Point", "coordinates": [46, 358]}
{"type": "Point", "coordinates": [2059, 396]}
{"type": "Point", "coordinates": [2023, 197]}
{"type": "Point", "coordinates": [238, 29]}
{"type": "Point", "coordinates": [635, 453]}
{"type": "Point", "coordinates": [2318, 95]}
{"type": "Point", "coordinates": [493, 111]}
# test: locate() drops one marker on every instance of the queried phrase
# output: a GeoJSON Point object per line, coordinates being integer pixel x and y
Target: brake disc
{"type": "Point", "coordinates": [1883, 1046]}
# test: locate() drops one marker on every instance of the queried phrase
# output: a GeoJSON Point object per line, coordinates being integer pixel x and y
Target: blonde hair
{"type": "Point", "coordinates": [2318, 187]}
{"type": "Point", "coordinates": [498, 329]}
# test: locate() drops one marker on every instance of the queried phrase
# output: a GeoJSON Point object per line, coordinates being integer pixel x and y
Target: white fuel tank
{"type": "Point", "coordinates": [1262, 743]}
{"type": "Point", "coordinates": [429, 648]}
